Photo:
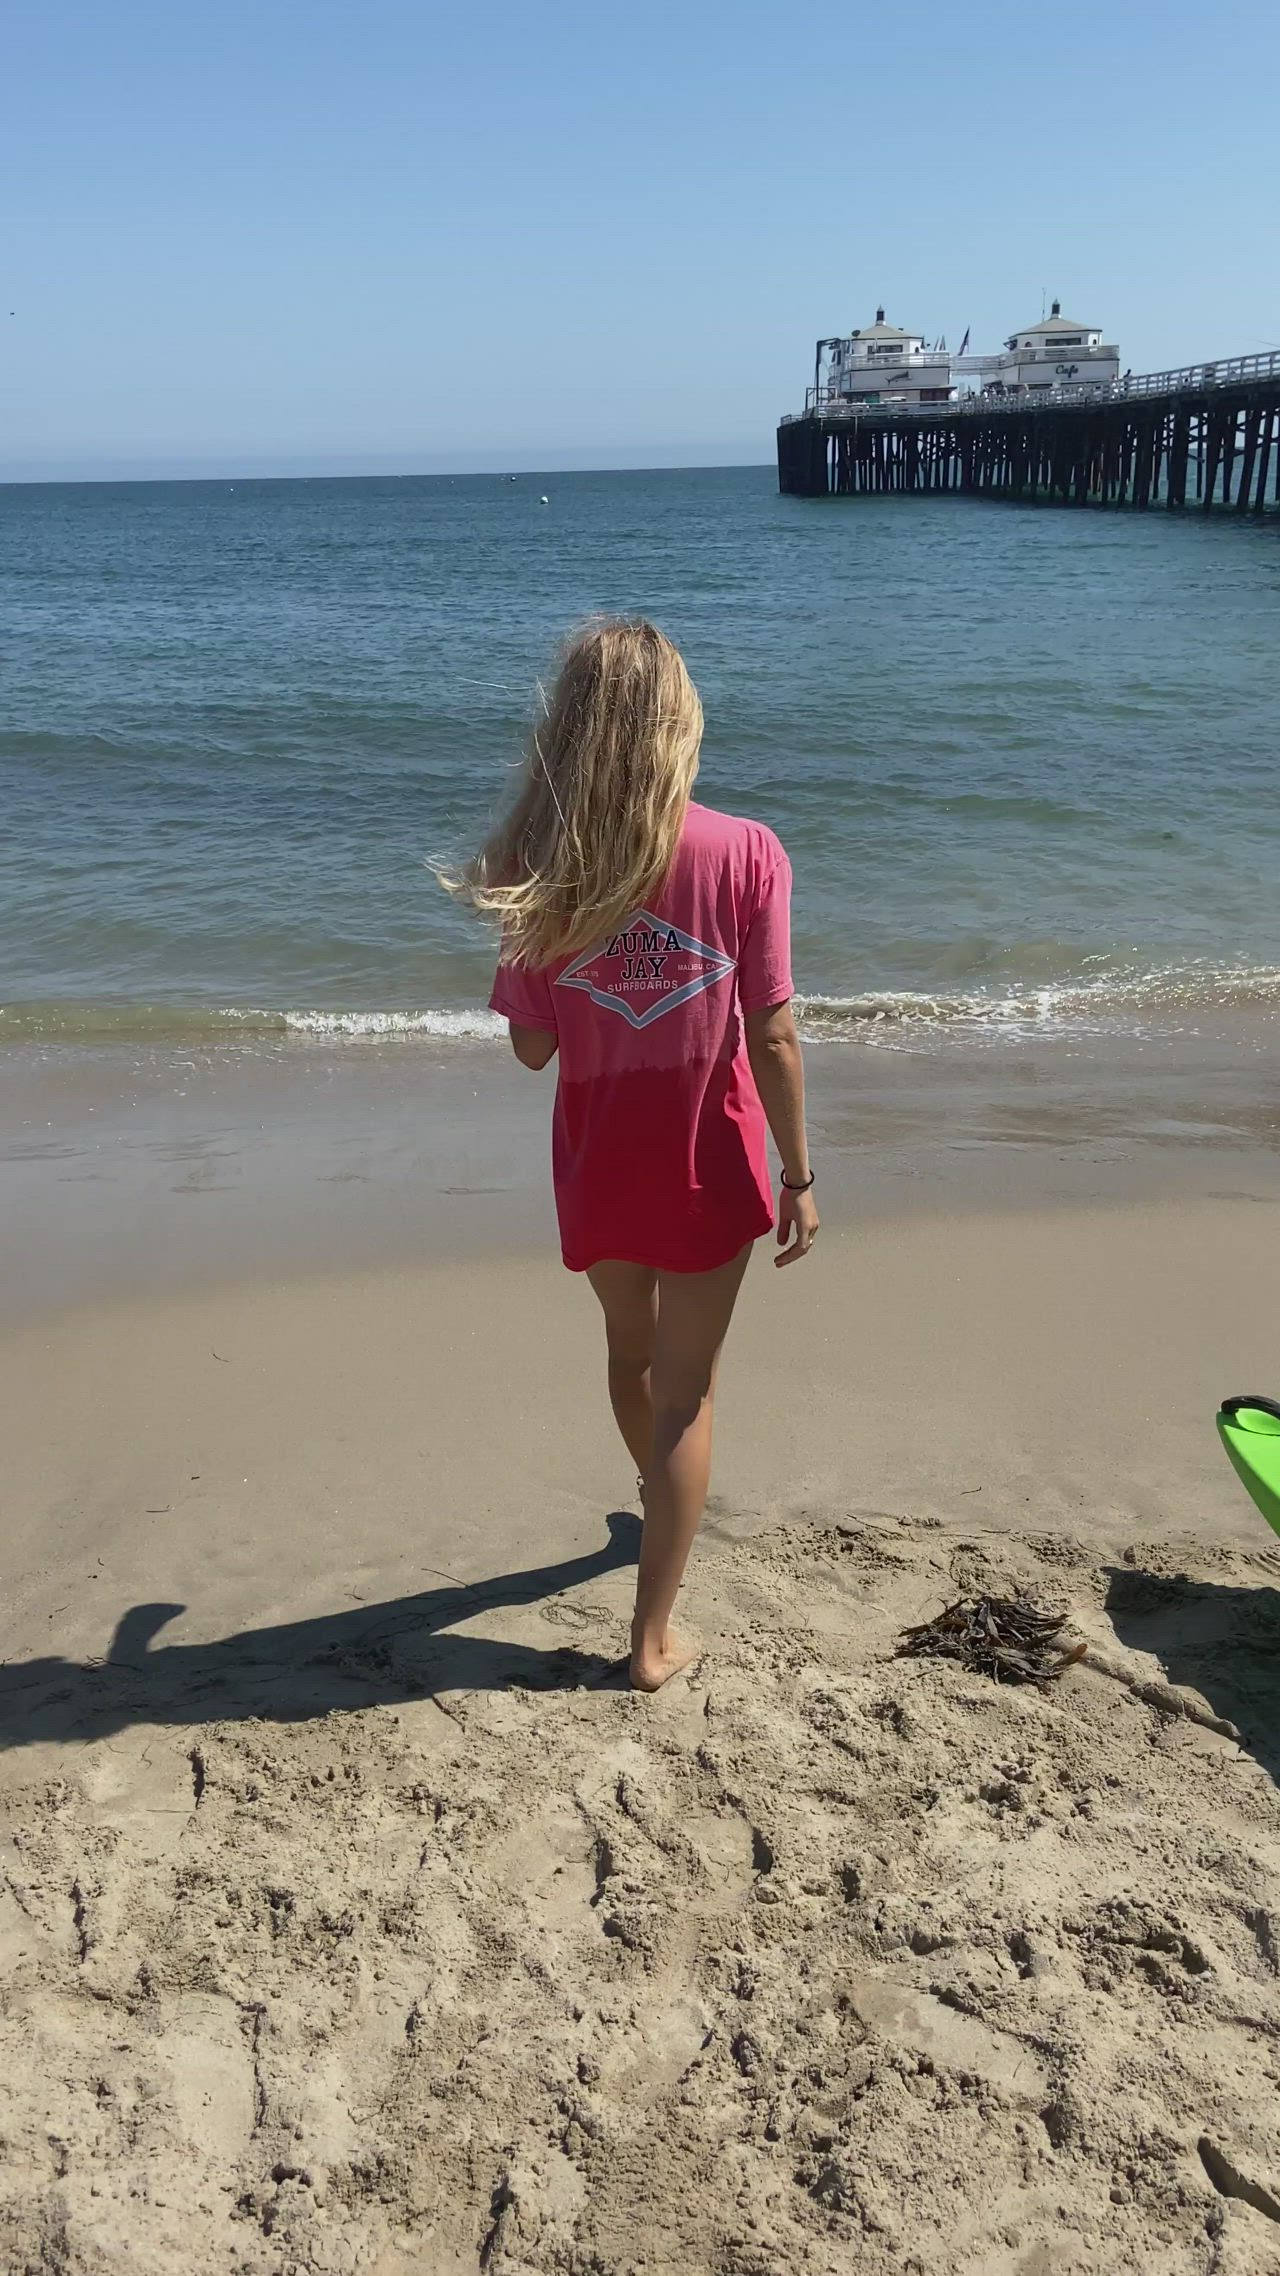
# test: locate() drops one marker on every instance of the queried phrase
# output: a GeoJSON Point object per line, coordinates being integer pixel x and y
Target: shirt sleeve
{"type": "Point", "coordinates": [524, 996]}
{"type": "Point", "coordinates": [764, 960]}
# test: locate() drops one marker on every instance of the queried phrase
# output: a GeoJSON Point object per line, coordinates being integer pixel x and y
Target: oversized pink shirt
{"type": "Point", "coordinates": [658, 1140]}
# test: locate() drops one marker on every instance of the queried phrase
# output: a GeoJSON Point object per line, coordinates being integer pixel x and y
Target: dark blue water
{"type": "Point", "coordinates": [1024, 759]}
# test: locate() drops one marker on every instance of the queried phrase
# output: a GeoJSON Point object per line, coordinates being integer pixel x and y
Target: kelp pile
{"type": "Point", "coordinates": [1000, 1636]}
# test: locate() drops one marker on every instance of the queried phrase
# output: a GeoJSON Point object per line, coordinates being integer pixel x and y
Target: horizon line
{"type": "Point", "coordinates": [58, 474]}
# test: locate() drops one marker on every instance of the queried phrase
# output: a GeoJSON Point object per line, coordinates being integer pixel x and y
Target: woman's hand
{"type": "Point", "coordinates": [797, 1225]}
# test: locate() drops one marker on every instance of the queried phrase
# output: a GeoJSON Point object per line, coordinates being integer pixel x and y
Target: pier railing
{"type": "Point", "coordinates": [1189, 379]}
{"type": "Point", "coordinates": [1228, 371]}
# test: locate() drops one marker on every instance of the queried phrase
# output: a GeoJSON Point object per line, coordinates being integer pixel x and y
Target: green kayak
{"type": "Point", "coordinates": [1250, 1431]}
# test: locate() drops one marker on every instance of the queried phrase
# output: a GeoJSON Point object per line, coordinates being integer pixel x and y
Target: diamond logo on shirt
{"type": "Point", "coordinates": [647, 969]}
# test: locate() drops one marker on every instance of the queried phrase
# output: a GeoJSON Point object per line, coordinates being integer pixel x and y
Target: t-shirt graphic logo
{"type": "Point", "coordinates": [647, 969]}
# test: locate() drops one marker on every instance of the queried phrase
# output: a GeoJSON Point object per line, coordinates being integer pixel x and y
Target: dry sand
{"type": "Point", "coordinates": [353, 1918]}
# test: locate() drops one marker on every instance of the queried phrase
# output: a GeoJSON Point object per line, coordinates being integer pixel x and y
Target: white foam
{"type": "Point", "coordinates": [1102, 996]}
{"type": "Point", "coordinates": [480, 1026]}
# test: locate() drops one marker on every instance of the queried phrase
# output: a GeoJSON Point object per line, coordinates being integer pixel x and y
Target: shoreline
{"type": "Point", "coordinates": [126, 1173]}
{"type": "Point", "coordinates": [1140, 1000]}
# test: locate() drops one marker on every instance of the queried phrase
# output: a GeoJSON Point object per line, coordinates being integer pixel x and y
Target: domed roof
{"type": "Point", "coordinates": [1054, 322]}
{"type": "Point", "coordinates": [882, 331]}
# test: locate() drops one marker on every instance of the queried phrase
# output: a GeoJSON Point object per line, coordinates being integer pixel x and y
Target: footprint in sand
{"type": "Point", "coordinates": [646, 2057]}
{"type": "Point", "coordinates": [928, 2026]}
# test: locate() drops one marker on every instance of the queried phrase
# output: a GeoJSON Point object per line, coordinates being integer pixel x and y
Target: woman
{"type": "Point", "coordinates": [647, 940]}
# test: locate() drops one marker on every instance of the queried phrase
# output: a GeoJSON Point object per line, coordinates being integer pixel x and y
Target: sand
{"type": "Point", "coordinates": [354, 1917]}
{"type": "Point", "coordinates": [824, 1960]}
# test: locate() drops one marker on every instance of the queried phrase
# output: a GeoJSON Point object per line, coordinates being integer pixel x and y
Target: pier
{"type": "Point", "coordinates": [1207, 435]}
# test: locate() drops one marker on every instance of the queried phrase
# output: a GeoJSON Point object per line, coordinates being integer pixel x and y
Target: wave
{"type": "Point", "coordinates": [178, 1025]}
{"type": "Point", "coordinates": [1108, 998]}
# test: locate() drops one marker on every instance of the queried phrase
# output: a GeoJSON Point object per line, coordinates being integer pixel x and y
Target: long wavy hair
{"type": "Point", "coordinates": [593, 828]}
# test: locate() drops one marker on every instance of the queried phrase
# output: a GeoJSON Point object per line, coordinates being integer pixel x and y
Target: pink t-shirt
{"type": "Point", "coordinates": [658, 1142]}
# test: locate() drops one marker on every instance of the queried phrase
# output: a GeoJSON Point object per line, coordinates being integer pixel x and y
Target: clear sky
{"type": "Point", "coordinates": [321, 236]}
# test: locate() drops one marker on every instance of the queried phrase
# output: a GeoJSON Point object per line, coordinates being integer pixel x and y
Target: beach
{"type": "Point", "coordinates": [357, 1917]}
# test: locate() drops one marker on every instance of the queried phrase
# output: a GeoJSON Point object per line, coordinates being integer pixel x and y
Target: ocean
{"type": "Point", "coordinates": [1023, 758]}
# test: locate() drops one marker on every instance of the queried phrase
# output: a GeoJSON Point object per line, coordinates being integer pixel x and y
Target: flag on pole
{"type": "Point", "coordinates": [964, 344]}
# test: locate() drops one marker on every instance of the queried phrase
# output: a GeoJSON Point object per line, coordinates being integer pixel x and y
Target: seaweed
{"type": "Point", "coordinates": [1000, 1636]}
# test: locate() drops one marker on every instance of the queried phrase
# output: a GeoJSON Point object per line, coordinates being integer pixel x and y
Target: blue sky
{"type": "Point", "coordinates": [287, 237]}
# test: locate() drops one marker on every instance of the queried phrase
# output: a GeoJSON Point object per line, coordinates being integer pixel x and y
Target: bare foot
{"type": "Point", "coordinates": [651, 1667]}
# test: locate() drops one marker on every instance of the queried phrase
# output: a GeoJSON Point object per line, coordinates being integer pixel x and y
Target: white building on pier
{"type": "Point", "coordinates": [1056, 352]}
{"type": "Point", "coordinates": [880, 364]}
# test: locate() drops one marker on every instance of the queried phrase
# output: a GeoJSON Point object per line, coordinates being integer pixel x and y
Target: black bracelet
{"type": "Point", "coordinates": [787, 1186]}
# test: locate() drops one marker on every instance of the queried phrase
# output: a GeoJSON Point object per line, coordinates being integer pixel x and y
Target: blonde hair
{"type": "Point", "coordinates": [595, 823]}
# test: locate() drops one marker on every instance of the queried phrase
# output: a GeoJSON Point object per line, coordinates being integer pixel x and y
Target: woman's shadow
{"type": "Point", "coordinates": [374, 1654]}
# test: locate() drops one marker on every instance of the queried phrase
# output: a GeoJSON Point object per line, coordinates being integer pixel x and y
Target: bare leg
{"type": "Point", "coordinates": [628, 1295]}
{"type": "Point", "coordinates": [694, 1311]}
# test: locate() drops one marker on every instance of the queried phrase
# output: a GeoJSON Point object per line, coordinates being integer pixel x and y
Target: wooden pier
{"type": "Point", "coordinates": [1208, 436]}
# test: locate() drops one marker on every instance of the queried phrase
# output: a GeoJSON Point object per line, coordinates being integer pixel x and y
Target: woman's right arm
{"type": "Point", "coordinates": [773, 1047]}
{"type": "Point", "coordinates": [533, 1046]}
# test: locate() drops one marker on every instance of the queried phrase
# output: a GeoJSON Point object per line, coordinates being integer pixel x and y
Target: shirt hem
{"type": "Point", "coordinates": [581, 1262]}
{"type": "Point", "coordinates": [523, 1019]}
{"type": "Point", "coordinates": [768, 999]}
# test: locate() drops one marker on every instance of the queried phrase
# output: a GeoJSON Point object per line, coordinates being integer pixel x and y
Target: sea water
{"type": "Point", "coordinates": [1023, 758]}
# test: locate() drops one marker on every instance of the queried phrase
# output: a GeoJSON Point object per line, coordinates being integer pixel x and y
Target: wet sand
{"type": "Point", "coordinates": [144, 1173]}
